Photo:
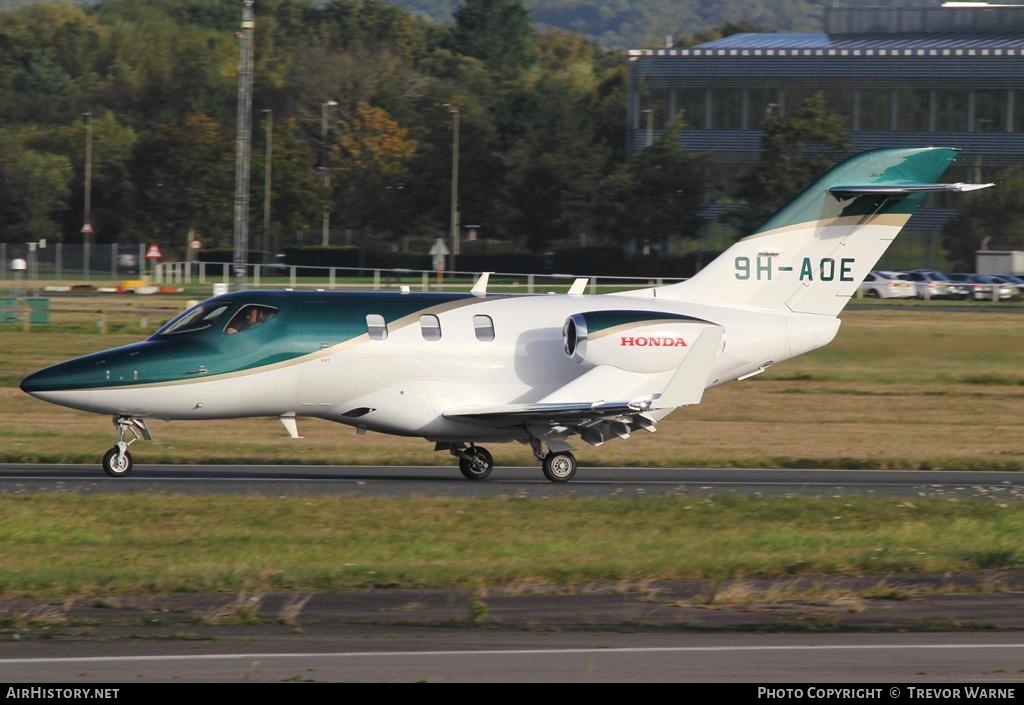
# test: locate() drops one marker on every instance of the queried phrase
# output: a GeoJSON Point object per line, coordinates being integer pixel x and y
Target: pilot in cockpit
{"type": "Point", "coordinates": [248, 317]}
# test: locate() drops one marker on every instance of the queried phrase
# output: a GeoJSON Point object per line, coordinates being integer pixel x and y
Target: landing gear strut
{"type": "Point", "coordinates": [475, 462]}
{"type": "Point", "coordinates": [117, 462]}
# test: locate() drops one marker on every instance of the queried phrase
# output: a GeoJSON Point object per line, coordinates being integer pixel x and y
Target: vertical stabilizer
{"type": "Point", "coordinates": [811, 256]}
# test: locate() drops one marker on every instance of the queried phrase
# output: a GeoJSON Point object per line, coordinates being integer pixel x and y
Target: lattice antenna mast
{"type": "Point", "coordinates": [242, 145]}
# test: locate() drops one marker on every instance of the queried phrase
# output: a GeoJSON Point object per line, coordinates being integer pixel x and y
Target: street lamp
{"type": "Point", "coordinates": [87, 228]}
{"type": "Point", "coordinates": [267, 164]}
{"type": "Point", "coordinates": [325, 236]}
{"type": "Point", "coordinates": [454, 110]}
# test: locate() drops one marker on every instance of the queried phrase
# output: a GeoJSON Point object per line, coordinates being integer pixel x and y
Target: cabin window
{"type": "Point", "coordinates": [484, 327]}
{"type": "Point", "coordinates": [249, 316]}
{"type": "Point", "coordinates": [196, 318]}
{"type": "Point", "coordinates": [430, 326]}
{"type": "Point", "coordinates": [376, 326]}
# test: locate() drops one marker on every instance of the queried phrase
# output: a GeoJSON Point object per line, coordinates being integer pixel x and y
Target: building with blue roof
{"type": "Point", "coordinates": [935, 76]}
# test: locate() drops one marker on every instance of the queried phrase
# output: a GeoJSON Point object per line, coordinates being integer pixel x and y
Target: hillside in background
{"type": "Point", "coordinates": [643, 23]}
{"type": "Point", "coordinates": [630, 23]}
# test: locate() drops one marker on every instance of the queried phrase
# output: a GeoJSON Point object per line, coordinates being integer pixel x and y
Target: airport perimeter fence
{"type": "Point", "coordinates": [259, 276]}
{"type": "Point", "coordinates": [58, 261]}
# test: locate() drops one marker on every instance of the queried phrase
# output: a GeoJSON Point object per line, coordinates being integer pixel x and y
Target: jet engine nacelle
{"type": "Point", "coordinates": [635, 341]}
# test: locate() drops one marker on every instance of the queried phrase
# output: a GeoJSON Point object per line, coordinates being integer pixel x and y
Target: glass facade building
{"type": "Point", "coordinates": [900, 77]}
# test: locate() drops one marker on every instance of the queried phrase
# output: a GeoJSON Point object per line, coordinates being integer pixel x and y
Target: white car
{"type": "Point", "coordinates": [886, 285]}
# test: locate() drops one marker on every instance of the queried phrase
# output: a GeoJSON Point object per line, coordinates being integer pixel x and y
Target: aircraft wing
{"type": "Point", "coordinates": [596, 420]}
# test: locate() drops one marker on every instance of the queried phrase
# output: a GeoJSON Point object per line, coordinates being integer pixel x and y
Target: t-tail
{"type": "Point", "coordinates": [811, 256]}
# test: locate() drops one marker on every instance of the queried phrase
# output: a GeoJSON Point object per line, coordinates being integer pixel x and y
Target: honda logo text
{"type": "Point", "coordinates": [641, 341]}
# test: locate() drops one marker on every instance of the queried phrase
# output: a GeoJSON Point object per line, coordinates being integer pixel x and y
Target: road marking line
{"type": "Point", "coordinates": [508, 652]}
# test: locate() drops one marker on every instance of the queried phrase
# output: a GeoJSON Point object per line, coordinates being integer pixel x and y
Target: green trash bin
{"type": "Point", "coordinates": [8, 309]}
{"type": "Point", "coordinates": [39, 310]}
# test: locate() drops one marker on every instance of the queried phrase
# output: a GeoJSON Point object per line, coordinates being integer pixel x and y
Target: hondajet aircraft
{"type": "Point", "coordinates": [462, 369]}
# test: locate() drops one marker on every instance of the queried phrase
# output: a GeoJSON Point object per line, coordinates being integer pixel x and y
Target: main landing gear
{"type": "Point", "coordinates": [476, 463]}
{"type": "Point", "coordinates": [117, 462]}
{"type": "Point", "coordinates": [559, 466]}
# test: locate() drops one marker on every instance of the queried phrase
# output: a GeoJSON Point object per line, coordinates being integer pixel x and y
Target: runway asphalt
{"type": "Point", "coordinates": [518, 481]}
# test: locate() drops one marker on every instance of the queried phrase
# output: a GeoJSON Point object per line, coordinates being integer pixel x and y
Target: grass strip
{"type": "Point", "coordinates": [57, 545]}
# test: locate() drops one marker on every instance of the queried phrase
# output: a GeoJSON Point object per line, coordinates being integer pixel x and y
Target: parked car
{"type": "Point", "coordinates": [983, 284]}
{"type": "Point", "coordinates": [881, 284]}
{"type": "Point", "coordinates": [932, 284]}
{"type": "Point", "coordinates": [1012, 280]}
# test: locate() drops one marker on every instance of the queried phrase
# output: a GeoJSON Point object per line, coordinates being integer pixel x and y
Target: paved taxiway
{"type": "Point", "coordinates": [366, 654]}
{"type": "Point", "coordinates": [517, 481]}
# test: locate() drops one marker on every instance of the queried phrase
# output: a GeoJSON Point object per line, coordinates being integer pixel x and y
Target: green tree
{"type": "Point", "coordinates": [655, 197]}
{"type": "Point", "coordinates": [295, 204]}
{"type": "Point", "coordinates": [668, 191]}
{"type": "Point", "coordinates": [34, 189]}
{"type": "Point", "coordinates": [370, 159]}
{"type": "Point", "coordinates": [184, 180]}
{"type": "Point", "coordinates": [794, 152]}
{"type": "Point", "coordinates": [112, 195]}
{"type": "Point", "coordinates": [989, 219]}
{"type": "Point", "coordinates": [497, 32]}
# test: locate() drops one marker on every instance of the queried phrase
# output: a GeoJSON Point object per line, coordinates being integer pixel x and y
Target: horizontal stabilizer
{"type": "Point", "coordinates": [691, 378]}
{"type": "Point", "coordinates": [845, 192]}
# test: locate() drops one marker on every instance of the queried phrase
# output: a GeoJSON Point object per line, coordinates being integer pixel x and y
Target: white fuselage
{"type": "Point", "coordinates": [408, 382]}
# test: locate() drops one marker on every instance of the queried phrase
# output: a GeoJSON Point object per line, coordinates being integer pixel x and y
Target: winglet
{"type": "Point", "coordinates": [687, 385]}
{"type": "Point", "coordinates": [480, 287]}
{"type": "Point", "coordinates": [579, 287]}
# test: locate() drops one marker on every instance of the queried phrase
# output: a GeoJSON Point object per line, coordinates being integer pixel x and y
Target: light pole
{"type": "Point", "coordinates": [87, 228]}
{"type": "Point", "coordinates": [267, 164]}
{"type": "Point", "coordinates": [325, 236]}
{"type": "Point", "coordinates": [454, 110]}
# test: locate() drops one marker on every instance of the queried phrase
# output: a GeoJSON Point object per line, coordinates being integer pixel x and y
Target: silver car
{"type": "Point", "coordinates": [932, 284]}
{"type": "Point", "coordinates": [983, 285]}
{"type": "Point", "coordinates": [881, 284]}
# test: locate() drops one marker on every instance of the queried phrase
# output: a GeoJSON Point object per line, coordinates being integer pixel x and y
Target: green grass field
{"type": "Point", "coordinates": [116, 544]}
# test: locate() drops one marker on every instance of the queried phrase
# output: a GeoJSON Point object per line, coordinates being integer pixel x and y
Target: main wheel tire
{"type": "Point", "coordinates": [479, 466]}
{"type": "Point", "coordinates": [872, 294]}
{"type": "Point", "coordinates": [559, 467]}
{"type": "Point", "coordinates": [117, 465]}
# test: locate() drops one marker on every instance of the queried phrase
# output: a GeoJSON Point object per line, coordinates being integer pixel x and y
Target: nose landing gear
{"type": "Point", "coordinates": [117, 462]}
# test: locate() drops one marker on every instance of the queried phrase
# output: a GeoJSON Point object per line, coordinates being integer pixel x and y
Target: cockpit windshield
{"type": "Point", "coordinates": [196, 318]}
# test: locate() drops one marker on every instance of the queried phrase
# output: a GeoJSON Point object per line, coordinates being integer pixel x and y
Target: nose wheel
{"type": "Point", "coordinates": [117, 462]}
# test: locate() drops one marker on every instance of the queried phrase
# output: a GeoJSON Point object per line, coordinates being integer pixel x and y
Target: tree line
{"type": "Point", "coordinates": [363, 96]}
